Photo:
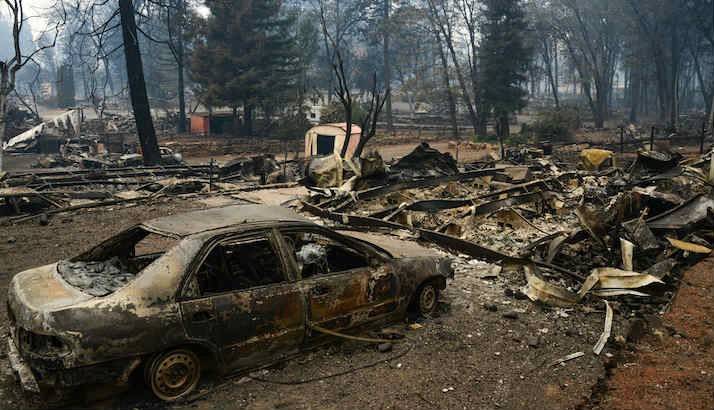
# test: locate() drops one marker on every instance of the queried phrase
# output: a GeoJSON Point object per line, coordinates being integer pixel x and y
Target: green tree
{"type": "Point", "coordinates": [504, 60]}
{"type": "Point", "coordinates": [247, 57]}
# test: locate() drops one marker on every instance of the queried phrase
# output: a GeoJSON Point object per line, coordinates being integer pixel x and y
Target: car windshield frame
{"type": "Point", "coordinates": [112, 264]}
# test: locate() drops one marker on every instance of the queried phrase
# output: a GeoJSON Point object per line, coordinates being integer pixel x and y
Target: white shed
{"type": "Point", "coordinates": [326, 139]}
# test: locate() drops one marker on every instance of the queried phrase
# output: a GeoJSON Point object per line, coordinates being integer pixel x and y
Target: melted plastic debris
{"type": "Point", "coordinates": [97, 278]}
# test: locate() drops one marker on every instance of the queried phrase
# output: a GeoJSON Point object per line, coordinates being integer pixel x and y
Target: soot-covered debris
{"type": "Point", "coordinates": [97, 278]}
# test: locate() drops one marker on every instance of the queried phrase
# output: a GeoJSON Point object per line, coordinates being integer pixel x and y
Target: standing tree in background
{"type": "Point", "coordinates": [592, 35]}
{"type": "Point", "coordinates": [342, 90]}
{"type": "Point", "coordinates": [137, 85]}
{"type": "Point", "coordinates": [247, 56]}
{"type": "Point", "coordinates": [446, 16]}
{"type": "Point", "coordinates": [176, 45]}
{"type": "Point", "coordinates": [386, 28]}
{"type": "Point", "coordinates": [65, 86]}
{"type": "Point", "coordinates": [172, 20]}
{"type": "Point", "coordinates": [545, 41]}
{"type": "Point", "coordinates": [308, 42]}
{"type": "Point", "coordinates": [661, 28]}
{"type": "Point", "coordinates": [504, 60]}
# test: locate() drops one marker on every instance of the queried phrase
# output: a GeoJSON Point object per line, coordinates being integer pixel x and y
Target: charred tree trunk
{"type": "Point", "coordinates": [137, 85]}
{"type": "Point", "coordinates": [706, 95]}
{"type": "Point", "coordinates": [447, 85]}
{"type": "Point", "coordinates": [387, 66]}
{"type": "Point", "coordinates": [646, 97]}
{"type": "Point", "coordinates": [464, 89]}
{"type": "Point", "coordinates": [594, 104]}
{"type": "Point", "coordinates": [600, 106]}
{"type": "Point", "coordinates": [674, 79]}
{"type": "Point", "coordinates": [602, 89]}
{"type": "Point", "coordinates": [181, 127]}
{"type": "Point", "coordinates": [182, 121]}
{"type": "Point", "coordinates": [342, 90]}
{"type": "Point", "coordinates": [503, 130]}
{"type": "Point", "coordinates": [635, 93]}
{"type": "Point", "coordinates": [662, 95]}
{"type": "Point", "coordinates": [3, 117]}
{"type": "Point", "coordinates": [548, 61]}
{"type": "Point", "coordinates": [6, 87]}
{"type": "Point", "coordinates": [445, 30]}
{"type": "Point", "coordinates": [480, 107]}
{"type": "Point", "coordinates": [505, 126]}
{"type": "Point", "coordinates": [555, 66]}
{"type": "Point", "coordinates": [210, 120]}
{"type": "Point", "coordinates": [711, 107]}
{"type": "Point", "coordinates": [368, 127]}
{"type": "Point", "coordinates": [107, 73]}
{"type": "Point", "coordinates": [711, 116]}
{"type": "Point", "coordinates": [248, 119]}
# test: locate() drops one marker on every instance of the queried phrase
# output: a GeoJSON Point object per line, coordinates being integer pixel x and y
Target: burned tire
{"type": "Point", "coordinates": [174, 374]}
{"type": "Point", "coordinates": [426, 299]}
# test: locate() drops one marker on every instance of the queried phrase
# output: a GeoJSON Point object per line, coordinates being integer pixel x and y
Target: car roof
{"type": "Point", "coordinates": [190, 223]}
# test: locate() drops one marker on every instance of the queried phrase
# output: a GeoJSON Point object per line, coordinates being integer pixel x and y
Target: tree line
{"type": "Point", "coordinates": [470, 62]}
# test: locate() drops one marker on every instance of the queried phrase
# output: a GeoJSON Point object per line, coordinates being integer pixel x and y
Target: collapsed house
{"type": "Point", "coordinates": [41, 192]}
{"type": "Point", "coordinates": [576, 232]}
{"type": "Point", "coordinates": [64, 125]}
{"type": "Point", "coordinates": [71, 140]}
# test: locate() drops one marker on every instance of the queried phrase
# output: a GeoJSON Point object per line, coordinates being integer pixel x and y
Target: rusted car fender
{"type": "Point", "coordinates": [144, 315]}
{"type": "Point", "coordinates": [415, 271]}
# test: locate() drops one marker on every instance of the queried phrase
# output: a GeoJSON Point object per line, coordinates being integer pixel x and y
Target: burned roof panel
{"type": "Point", "coordinates": [190, 223]}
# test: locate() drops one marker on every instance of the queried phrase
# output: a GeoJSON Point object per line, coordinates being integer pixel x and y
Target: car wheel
{"type": "Point", "coordinates": [426, 299]}
{"type": "Point", "coordinates": [174, 374]}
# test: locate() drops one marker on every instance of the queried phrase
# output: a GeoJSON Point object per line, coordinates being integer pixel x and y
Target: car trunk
{"type": "Point", "coordinates": [35, 292]}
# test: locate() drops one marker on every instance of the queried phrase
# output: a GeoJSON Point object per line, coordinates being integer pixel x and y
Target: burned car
{"type": "Point", "coordinates": [231, 288]}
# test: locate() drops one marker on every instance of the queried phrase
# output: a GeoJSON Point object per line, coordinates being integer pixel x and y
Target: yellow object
{"type": "Point", "coordinates": [688, 246]}
{"type": "Point", "coordinates": [594, 159]}
{"type": "Point", "coordinates": [601, 281]}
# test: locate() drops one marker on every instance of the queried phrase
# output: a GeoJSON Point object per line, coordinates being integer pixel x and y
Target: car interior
{"type": "Point", "coordinates": [135, 249]}
{"type": "Point", "coordinates": [238, 266]}
{"type": "Point", "coordinates": [318, 254]}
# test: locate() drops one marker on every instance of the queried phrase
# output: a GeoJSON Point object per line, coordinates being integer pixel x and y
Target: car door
{"type": "Point", "coordinates": [242, 298]}
{"type": "Point", "coordinates": [344, 285]}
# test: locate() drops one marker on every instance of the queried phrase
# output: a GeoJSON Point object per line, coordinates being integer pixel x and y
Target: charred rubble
{"type": "Point", "coordinates": [574, 231]}
{"type": "Point", "coordinates": [565, 229]}
{"type": "Point", "coordinates": [29, 194]}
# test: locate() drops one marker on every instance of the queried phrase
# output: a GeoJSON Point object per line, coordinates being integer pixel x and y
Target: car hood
{"type": "Point", "coordinates": [37, 292]}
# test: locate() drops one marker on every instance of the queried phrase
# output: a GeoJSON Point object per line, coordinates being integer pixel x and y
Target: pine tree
{"type": "Point", "coordinates": [247, 56]}
{"type": "Point", "coordinates": [504, 59]}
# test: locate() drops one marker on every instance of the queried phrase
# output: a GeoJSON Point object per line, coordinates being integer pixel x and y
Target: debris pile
{"type": "Point", "coordinates": [577, 232]}
{"type": "Point", "coordinates": [25, 195]}
{"type": "Point", "coordinates": [65, 124]}
{"type": "Point", "coordinates": [424, 162]}
{"type": "Point", "coordinates": [98, 278]}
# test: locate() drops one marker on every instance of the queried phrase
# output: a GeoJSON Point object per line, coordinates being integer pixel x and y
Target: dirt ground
{"type": "Point", "coordinates": [467, 357]}
{"type": "Point", "coordinates": [671, 365]}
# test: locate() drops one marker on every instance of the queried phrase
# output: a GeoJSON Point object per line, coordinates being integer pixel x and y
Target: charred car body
{"type": "Point", "coordinates": [236, 287]}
